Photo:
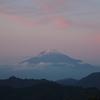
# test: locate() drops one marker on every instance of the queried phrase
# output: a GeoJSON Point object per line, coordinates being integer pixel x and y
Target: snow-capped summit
{"type": "Point", "coordinates": [56, 60]}
{"type": "Point", "coordinates": [51, 56]}
{"type": "Point", "coordinates": [49, 52]}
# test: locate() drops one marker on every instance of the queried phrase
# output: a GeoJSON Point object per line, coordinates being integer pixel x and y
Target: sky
{"type": "Point", "coordinates": [28, 27]}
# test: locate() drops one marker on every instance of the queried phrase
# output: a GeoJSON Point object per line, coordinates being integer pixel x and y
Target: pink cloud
{"type": "Point", "coordinates": [21, 20]}
{"type": "Point", "coordinates": [60, 21]}
{"type": "Point", "coordinates": [59, 2]}
{"type": "Point", "coordinates": [45, 5]}
{"type": "Point", "coordinates": [96, 31]}
{"type": "Point", "coordinates": [79, 24]}
{"type": "Point", "coordinates": [57, 20]}
{"type": "Point", "coordinates": [97, 39]}
{"type": "Point", "coordinates": [0, 5]}
{"type": "Point", "coordinates": [83, 24]}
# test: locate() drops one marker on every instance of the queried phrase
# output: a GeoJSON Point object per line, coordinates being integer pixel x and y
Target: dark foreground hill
{"type": "Point", "coordinates": [67, 81]}
{"type": "Point", "coordinates": [18, 83]}
{"type": "Point", "coordinates": [48, 91]}
{"type": "Point", "coordinates": [92, 80]}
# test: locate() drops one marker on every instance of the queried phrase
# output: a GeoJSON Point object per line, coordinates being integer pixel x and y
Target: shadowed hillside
{"type": "Point", "coordinates": [48, 91]}
{"type": "Point", "coordinates": [92, 80]}
{"type": "Point", "coordinates": [68, 81]}
{"type": "Point", "coordinates": [17, 82]}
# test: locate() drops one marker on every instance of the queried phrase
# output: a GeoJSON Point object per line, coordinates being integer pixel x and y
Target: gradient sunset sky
{"type": "Point", "coordinates": [28, 27]}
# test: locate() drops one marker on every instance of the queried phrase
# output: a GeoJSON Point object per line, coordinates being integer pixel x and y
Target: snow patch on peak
{"type": "Point", "coordinates": [49, 52]}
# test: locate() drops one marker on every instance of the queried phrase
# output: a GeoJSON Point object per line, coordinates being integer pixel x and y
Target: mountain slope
{"type": "Point", "coordinates": [68, 81]}
{"type": "Point", "coordinates": [92, 80]}
{"type": "Point", "coordinates": [51, 56]}
{"type": "Point", "coordinates": [48, 91]}
{"type": "Point", "coordinates": [56, 65]}
{"type": "Point", "coordinates": [18, 83]}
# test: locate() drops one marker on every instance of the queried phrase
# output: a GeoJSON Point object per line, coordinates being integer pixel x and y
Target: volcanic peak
{"type": "Point", "coordinates": [49, 52]}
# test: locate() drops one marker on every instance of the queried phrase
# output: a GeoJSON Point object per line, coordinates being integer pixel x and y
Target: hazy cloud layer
{"type": "Point", "coordinates": [43, 70]}
{"type": "Point", "coordinates": [39, 12]}
{"type": "Point", "coordinates": [40, 66]}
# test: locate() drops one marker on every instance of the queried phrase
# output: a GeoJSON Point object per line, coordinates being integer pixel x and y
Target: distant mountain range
{"type": "Point", "coordinates": [57, 59]}
{"type": "Point", "coordinates": [92, 80]}
{"type": "Point", "coordinates": [88, 88]}
{"type": "Point", "coordinates": [19, 83]}
{"type": "Point", "coordinates": [67, 81]}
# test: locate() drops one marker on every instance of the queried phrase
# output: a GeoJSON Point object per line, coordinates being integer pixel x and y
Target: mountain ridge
{"type": "Point", "coordinates": [49, 91]}
{"type": "Point", "coordinates": [51, 56]}
{"type": "Point", "coordinates": [67, 81]}
{"type": "Point", "coordinates": [92, 80]}
{"type": "Point", "coordinates": [15, 82]}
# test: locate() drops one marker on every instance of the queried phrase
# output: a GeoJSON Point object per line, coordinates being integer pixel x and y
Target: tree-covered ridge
{"type": "Point", "coordinates": [93, 99]}
{"type": "Point", "coordinates": [48, 91]}
{"type": "Point", "coordinates": [19, 83]}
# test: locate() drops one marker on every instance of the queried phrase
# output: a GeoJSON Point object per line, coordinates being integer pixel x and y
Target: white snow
{"type": "Point", "coordinates": [49, 51]}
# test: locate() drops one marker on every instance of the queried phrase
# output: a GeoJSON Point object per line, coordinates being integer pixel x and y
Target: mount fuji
{"type": "Point", "coordinates": [51, 56]}
{"type": "Point", "coordinates": [57, 59]}
{"type": "Point", "coordinates": [53, 65]}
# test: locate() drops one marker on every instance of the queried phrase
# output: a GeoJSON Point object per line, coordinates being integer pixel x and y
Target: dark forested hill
{"type": "Point", "coordinates": [17, 82]}
{"type": "Point", "coordinates": [48, 91]}
{"type": "Point", "coordinates": [92, 80]}
{"type": "Point", "coordinates": [67, 81]}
